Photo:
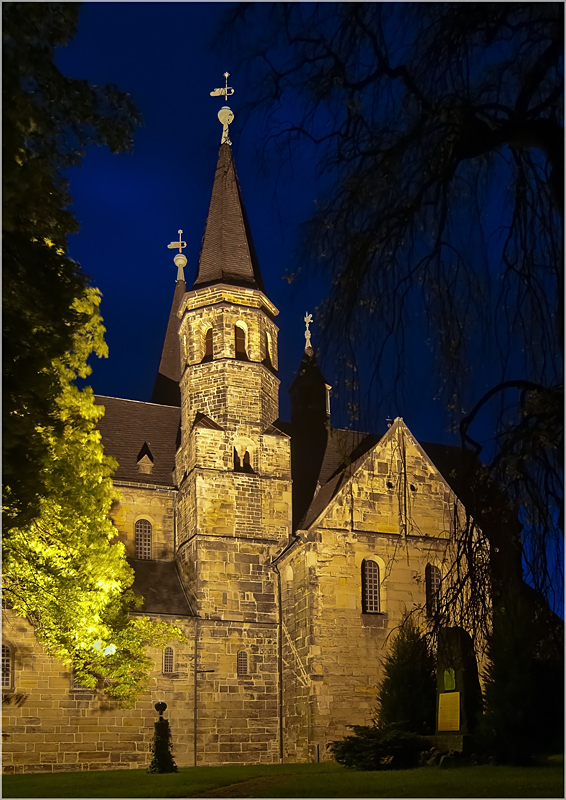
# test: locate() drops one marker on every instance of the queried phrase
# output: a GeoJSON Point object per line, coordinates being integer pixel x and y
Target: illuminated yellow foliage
{"type": "Point", "coordinates": [64, 572]}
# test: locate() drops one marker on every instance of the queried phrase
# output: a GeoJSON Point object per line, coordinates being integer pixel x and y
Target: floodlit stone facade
{"type": "Point", "coordinates": [287, 623]}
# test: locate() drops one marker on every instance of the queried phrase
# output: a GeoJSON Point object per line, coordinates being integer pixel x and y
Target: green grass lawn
{"type": "Point", "coordinates": [296, 780]}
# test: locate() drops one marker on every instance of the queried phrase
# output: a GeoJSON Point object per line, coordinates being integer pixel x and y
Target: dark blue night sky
{"type": "Point", "coordinates": [130, 206]}
{"type": "Point", "coordinates": [169, 57]}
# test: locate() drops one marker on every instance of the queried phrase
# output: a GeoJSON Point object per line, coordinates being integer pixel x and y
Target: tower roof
{"type": "Point", "coordinates": [228, 253]}
{"type": "Point", "coordinates": [166, 388]}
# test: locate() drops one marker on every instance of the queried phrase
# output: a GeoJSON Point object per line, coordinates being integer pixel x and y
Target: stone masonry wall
{"type": "Point", "coordinates": [157, 505]}
{"type": "Point", "coordinates": [334, 652]}
{"type": "Point", "coordinates": [237, 714]}
{"type": "Point", "coordinates": [49, 725]}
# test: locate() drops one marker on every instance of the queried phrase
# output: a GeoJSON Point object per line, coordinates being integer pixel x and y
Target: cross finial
{"type": "Point", "coordinates": [308, 320]}
{"type": "Point", "coordinates": [180, 260]}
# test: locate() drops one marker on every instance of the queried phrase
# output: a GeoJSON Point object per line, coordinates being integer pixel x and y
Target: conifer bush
{"type": "Point", "coordinates": [372, 747]}
{"type": "Point", "coordinates": [161, 747]}
{"type": "Point", "coordinates": [407, 695]}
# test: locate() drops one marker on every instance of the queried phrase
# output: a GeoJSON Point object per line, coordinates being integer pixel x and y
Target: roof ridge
{"type": "Point", "coordinates": [130, 400]}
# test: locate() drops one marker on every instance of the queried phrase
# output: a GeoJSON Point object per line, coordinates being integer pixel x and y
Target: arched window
{"type": "Point", "coordinates": [168, 659]}
{"type": "Point", "coordinates": [370, 587]}
{"type": "Point", "coordinates": [143, 539]}
{"type": "Point", "coordinates": [207, 346]}
{"type": "Point", "coordinates": [241, 343]}
{"type": "Point", "coordinates": [242, 663]}
{"type": "Point", "coordinates": [244, 464]}
{"type": "Point", "coordinates": [432, 588]}
{"type": "Point", "coordinates": [6, 667]}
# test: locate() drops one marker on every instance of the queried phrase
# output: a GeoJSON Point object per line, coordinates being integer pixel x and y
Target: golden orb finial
{"type": "Point", "coordinates": [180, 260]}
{"type": "Point", "coordinates": [225, 115]}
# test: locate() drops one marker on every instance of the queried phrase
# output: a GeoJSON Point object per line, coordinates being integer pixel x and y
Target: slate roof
{"type": "Point", "coordinates": [129, 424]}
{"type": "Point", "coordinates": [228, 253]}
{"type": "Point", "coordinates": [160, 586]}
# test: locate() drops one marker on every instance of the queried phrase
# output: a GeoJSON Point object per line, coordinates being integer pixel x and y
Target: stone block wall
{"type": "Point", "coordinates": [229, 578]}
{"type": "Point", "coordinates": [157, 505]}
{"type": "Point", "coordinates": [220, 307]}
{"type": "Point", "coordinates": [237, 714]}
{"type": "Point", "coordinates": [239, 395]}
{"type": "Point", "coordinates": [50, 725]}
{"type": "Point", "coordinates": [333, 652]}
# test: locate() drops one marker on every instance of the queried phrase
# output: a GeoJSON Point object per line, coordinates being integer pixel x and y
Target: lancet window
{"type": "Point", "coordinates": [168, 660]}
{"type": "Point", "coordinates": [432, 588]}
{"type": "Point", "coordinates": [207, 346]}
{"type": "Point", "coordinates": [240, 334]}
{"type": "Point", "coordinates": [242, 663]}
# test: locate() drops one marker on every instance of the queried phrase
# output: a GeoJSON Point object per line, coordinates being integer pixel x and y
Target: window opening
{"type": "Point", "coordinates": [168, 659]}
{"type": "Point", "coordinates": [208, 346]}
{"type": "Point", "coordinates": [243, 465]}
{"type": "Point", "coordinates": [242, 663]}
{"type": "Point", "coordinates": [370, 587]}
{"type": "Point", "coordinates": [143, 539]}
{"type": "Point", "coordinates": [6, 667]}
{"type": "Point", "coordinates": [241, 344]}
{"type": "Point", "coordinates": [432, 587]}
{"type": "Point", "coordinates": [78, 685]}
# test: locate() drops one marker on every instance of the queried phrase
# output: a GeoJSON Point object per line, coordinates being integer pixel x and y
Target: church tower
{"type": "Point", "coordinates": [234, 477]}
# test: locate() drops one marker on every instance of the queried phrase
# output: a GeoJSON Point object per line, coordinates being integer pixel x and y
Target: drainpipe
{"type": "Point", "coordinates": [195, 675]}
{"type": "Point", "coordinates": [280, 663]}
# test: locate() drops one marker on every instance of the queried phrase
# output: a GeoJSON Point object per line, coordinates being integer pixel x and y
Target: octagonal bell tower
{"type": "Point", "coordinates": [233, 465]}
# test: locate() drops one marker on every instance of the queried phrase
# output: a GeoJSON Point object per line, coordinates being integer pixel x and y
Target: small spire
{"type": "Point", "coordinates": [308, 346]}
{"type": "Point", "coordinates": [225, 115]}
{"type": "Point", "coordinates": [180, 260]}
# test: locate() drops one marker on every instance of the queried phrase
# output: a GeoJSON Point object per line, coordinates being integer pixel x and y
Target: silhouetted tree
{"type": "Point", "coordinates": [439, 133]}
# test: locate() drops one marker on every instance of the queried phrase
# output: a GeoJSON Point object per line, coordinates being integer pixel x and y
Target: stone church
{"type": "Point", "coordinates": [286, 550]}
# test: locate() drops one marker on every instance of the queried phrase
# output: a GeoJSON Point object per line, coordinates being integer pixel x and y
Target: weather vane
{"type": "Point", "coordinates": [308, 320]}
{"type": "Point", "coordinates": [225, 115]}
{"type": "Point", "coordinates": [180, 260]}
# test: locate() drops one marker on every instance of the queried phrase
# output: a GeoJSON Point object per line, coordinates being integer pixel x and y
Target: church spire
{"type": "Point", "coordinates": [228, 253]}
{"type": "Point", "coordinates": [166, 388]}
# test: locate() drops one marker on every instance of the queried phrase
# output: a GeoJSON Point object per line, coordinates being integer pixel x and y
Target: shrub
{"type": "Point", "coordinates": [372, 747]}
{"type": "Point", "coordinates": [161, 747]}
{"type": "Point", "coordinates": [407, 695]}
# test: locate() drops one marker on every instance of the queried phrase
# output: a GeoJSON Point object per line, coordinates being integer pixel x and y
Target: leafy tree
{"type": "Point", "coordinates": [407, 695]}
{"type": "Point", "coordinates": [438, 131]}
{"type": "Point", "coordinates": [62, 571]}
{"type": "Point", "coordinates": [48, 120]}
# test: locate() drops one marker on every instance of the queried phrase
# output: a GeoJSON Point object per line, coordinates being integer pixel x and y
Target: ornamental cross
{"type": "Point", "coordinates": [226, 91]}
{"type": "Point", "coordinates": [308, 320]}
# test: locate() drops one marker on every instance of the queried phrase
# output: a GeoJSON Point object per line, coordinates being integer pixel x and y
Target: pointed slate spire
{"type": "Point", "coordinates": [228, 253]}
{"type": "Point", "coordinates": [166, 388]}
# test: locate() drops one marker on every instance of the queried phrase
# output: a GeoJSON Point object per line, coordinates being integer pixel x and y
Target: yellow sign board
{"type": "Point", "coordinates": [449, 711]}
